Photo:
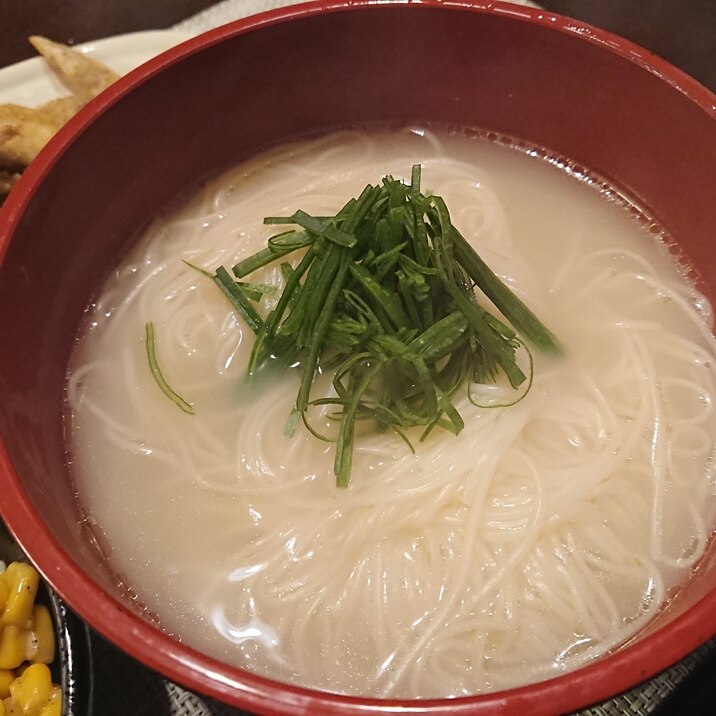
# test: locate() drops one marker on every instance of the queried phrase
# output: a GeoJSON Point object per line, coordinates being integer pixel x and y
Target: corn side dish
{"type": "Point", "coordinates": [27, 646]}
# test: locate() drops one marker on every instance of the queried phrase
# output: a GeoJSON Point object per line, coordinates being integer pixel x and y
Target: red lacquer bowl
{"type": "Point", "coordinates": [578, 91]}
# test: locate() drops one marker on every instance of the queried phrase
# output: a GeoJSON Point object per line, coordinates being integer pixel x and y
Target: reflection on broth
{"type": "Point", "coordinates": [542, 536]}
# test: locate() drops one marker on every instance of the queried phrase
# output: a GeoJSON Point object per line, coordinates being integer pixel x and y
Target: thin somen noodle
{"type": "Point", "coordinates": [544, 535]}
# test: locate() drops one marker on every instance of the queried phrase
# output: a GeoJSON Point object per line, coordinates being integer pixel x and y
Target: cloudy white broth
{"type": "Point", "coordinates": [542, 536]}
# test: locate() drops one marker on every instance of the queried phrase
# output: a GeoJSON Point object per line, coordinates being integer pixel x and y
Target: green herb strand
{"type": "Point", "coordinates": [157, 373]}
{"type": "Point", "coordinates": [384, 295]}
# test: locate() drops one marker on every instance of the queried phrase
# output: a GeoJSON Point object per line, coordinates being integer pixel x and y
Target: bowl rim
{"type": "Point", "coordinates": [612, 674]}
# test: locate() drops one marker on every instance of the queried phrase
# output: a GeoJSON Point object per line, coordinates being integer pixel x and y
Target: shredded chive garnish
{"type": "Point", "coordinates": [157, 373]}
{"type": "Point", "coordinates": [383, 294]}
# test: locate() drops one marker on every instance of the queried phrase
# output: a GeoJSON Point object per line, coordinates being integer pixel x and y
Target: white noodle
{"type": "Point", "coordinates": [543, 536]}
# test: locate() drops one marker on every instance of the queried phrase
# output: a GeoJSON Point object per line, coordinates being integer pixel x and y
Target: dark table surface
{"type": "Point", "coordinates": [681, 31]}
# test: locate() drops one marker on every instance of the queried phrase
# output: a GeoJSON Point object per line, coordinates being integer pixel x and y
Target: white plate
{"type": "Point", "coordinates": [31, 82]}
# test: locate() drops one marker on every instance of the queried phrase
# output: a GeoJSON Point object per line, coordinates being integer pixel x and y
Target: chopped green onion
{"type": "Point", "coordinates": [157, 373]}
{"type": "Point", "coordinates": [384, 295]}
{"type": "Point", "coordinates": [238, 298]}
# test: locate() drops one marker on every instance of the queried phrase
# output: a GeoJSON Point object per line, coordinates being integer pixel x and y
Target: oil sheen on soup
{"type": "Point", "coordinates": [542, 536]}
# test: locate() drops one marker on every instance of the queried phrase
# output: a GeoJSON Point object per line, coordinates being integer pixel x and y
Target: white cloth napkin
{"type": "Point", "coordinates": [229, 10]}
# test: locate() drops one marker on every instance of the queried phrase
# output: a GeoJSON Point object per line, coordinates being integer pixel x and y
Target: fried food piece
{"type": "Point", "coordinates": [7, 182]}
{"type": "Point", "coordinates": [7, 131]}
{"type": "Point", "coordinates": [9, 173]}
{"type": "Point", "coordinates": [83, 76]}
{"type": "Point", "coordinates": [24, 131]}
{"type": "Point", "coordinates": [12, 113]}
{"type": "Point", "coordinates": [58, 111]}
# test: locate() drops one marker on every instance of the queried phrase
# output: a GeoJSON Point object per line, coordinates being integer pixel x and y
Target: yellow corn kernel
{"type": "Point", "coordinates": [11, 708]}
{"type": "Point", "coordinates": [13, 646]}
{"type": "Point", "coordinates": [33, 689]}
{"type": "Point", "coordinates": [54, 706]}
{"type": "Point", "coordinates": [3, 595]}
{"type": "Point", "coordinates": [42, 647]}
{"type": "Point", "coordinates": [22, 581]}
{"type": "Point", "coordinates": [6, 678]}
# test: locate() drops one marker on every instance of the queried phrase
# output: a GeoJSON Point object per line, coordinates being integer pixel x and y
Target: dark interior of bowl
{"type": "Point", "coordinates": [250, 85]}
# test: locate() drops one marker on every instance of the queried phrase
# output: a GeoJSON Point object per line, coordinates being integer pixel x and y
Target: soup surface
{"type": "Point", "coordinates": [543, 535]}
